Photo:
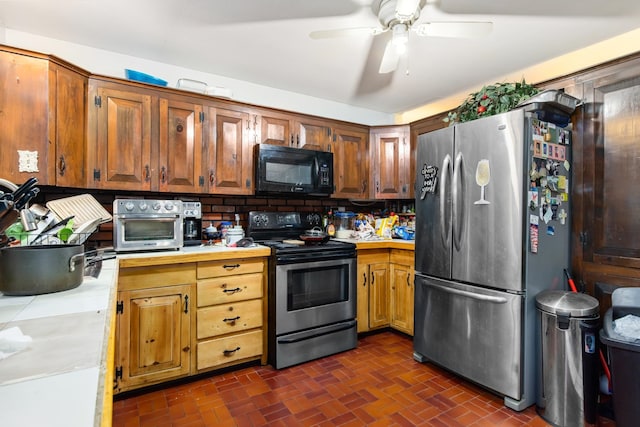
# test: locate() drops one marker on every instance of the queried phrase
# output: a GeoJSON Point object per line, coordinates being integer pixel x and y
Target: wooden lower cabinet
{"type": "Point", "coordinates": [154, 329]}
{"type": "Point", "coordinates": [385, 289]}
{"type": "Point", "coordinates": [180, 319]}
{"type": "Point", "coordinates": [373, 289]}
{"type": "Point", "coordinates": [402, 290]}
{"type": "Point", "coordinates": [231, 315]}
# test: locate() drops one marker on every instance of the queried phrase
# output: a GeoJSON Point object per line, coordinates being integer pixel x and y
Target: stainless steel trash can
{"type": "Point", "coordinates": [567, 385]}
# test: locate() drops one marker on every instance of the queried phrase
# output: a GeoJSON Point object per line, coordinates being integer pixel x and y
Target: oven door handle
{"type": "Point", "coordinates": [301, 336]}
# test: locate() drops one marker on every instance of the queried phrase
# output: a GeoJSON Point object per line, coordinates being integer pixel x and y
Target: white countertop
{"type": "Point", "coordinates": [58, 379]}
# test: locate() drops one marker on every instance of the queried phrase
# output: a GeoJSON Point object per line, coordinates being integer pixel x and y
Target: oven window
{"type": "Point", "coordinates": [288, 173]}
{"type": "Point", "coordinates": [313, 287]}
{"type": "Point", "coordinates": [144, 229]}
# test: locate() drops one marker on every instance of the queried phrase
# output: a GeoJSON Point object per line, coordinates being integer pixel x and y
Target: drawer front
{"type": "Point", "coordinates": [229, 318]}
{"type": "Point", "coordinates": [133, 278]}
{"type": "Point", "coordinates": [225, 350]}
{"type": "Point", "coordinates": [222, 290]}
{"type": "Point", "coordinates": [229, 267]}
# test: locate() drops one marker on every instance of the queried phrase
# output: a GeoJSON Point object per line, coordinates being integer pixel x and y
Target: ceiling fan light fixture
{"type": "Point", "coordinates": [400, 38]}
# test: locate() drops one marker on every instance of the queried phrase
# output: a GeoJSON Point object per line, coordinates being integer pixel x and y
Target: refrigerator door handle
{"type": "Point", "coordinates": [456, 188]}
{"type": "Point", "coordinates": [473, 295]}
{"type": "Point", "coordinates": [444, 228]}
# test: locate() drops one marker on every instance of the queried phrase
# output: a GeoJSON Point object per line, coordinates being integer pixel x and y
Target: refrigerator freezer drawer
{"type": "Point", "coordinates": [474, 332]}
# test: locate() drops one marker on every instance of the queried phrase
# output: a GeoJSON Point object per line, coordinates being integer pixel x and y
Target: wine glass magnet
{"type": "Point", "coordinates": [483, 176]}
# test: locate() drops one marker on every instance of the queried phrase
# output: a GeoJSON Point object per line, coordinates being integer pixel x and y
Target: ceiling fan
{"type": "Point", "coordinates": [400, 17]}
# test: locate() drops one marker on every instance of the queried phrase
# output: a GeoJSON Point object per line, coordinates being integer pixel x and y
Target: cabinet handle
{"type": "Point", "coordinates": [231, 319]}
{"type": "Point", "coordinates": [186, 303]}
{"type": "Point", "coordinates": [231, 266]}
{"type": "Point", "coordinates": [408, 284]}
{"type": "Point", "coordinates": [364, 279]}
{"type": "Point", "coordinates": [377, 187]}
{"type": "Point", "coordinates": [163, 174]}
{"type": "Point", "coordinates": [63, 166]}
{"type": "Point", "coordinates": [364, 185]}
{"type": "Point", "coordinates": [230, 352]}
{"type": "Point", "coordinates": [233, 291]}
{"type": "Point", "coordinates": [291, 140]}
{"type": "Point", "coordinates": [212, 177]}
{"type": "Point", "coordinates": [298, 140]}
{"type": "Point", "coordinates": [147, 173]}
{"type": "Point", "coordinates": [373, 277]}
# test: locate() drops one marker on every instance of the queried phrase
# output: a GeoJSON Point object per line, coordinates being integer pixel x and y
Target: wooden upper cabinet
{"type": "Point", "coordinates": [350, 148]}
{"type": "Point", "coordinates": [67, 125]}
{"type": "Point", "coordinates": [390, 153]}
{"type": "Point", "coordinates": [275, 130]}
{"type": "Point", "coordinates": [119, 143]}
{"type": "Point", "coordinates": [181, 146]}
{"type": "Point", "coordinates": [606, 171]}
{"type": "Point", "coordinates": [291, 130]}
{"type": "Point", "coordinates": [312, 134]}
{"type": "Point", "coordinates": [42, 131]}
{"type": "Point", "coordinates": [230, 151]}
{"type": "Point", "coordinates": [143, 140]}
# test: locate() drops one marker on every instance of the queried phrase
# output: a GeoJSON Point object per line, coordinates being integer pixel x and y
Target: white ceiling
{"type": "Point", "coordinates": [267, 42]}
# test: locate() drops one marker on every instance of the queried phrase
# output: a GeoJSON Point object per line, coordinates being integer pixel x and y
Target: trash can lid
{"type": "Point", "coordinates": [573, 304]}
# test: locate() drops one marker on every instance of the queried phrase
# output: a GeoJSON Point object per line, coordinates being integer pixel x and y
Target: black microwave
{"type": "Point", "coordinates": [293, 170]}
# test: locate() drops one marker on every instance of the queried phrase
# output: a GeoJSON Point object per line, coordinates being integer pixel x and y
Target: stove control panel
{"type": "Point", "coordinates": [283, 220]}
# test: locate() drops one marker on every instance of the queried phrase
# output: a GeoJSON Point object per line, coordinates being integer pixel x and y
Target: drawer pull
{"type": "Point", "coordinates": [233, 291]}
{"type": "Point", "coordinates": [231, 266]}
{"type": "Point", "coordinates": [231, 319]}
{"type": "Point", "coordinates": [230, 352]}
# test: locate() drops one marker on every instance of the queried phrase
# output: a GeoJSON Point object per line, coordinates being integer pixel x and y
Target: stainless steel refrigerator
{"type": "Point", "coordinates": [492, 231]}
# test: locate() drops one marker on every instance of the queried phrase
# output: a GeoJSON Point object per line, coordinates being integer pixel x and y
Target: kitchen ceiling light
{"type": "Point", "coordinates": [400, 38]}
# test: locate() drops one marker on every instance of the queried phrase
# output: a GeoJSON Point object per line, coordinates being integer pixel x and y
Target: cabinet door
{"type": "Point", "coordinates": [379, 295]}
{"type": "Point", "coordinates": [24, 109]}
{"type": "Point", "coordinates": [181, 146]}
{"type": "Point", "coordinates": [68, 97]}
{"type": "Point", "coordinates": [606, 249]}
{"type": "Point", "coordinates": [230, 156]}
{"type": "Point", "coordinates": [390, 154]}
{"type": "Point", "coordinates": [275, 130]}
{"type": "Point", "coordinates": [311, 135]}
{"type": "Point", "coordinates": [153, 335]}
{"type": "Point", "coordinates": [402, 297]}
{"type": "Point", "coordinates": [120, 139]}
{"type": "Point", "coordinates": [350, 163]}
{"type": "Point", "coordinates": [362, 297]}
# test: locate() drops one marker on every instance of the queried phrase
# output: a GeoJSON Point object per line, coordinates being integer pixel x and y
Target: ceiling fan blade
{"type": "Point", "coordinates": [453, 29]}
{"type": "Point", "coordinates": [390, 59]}
{"type": "Point", "coordinates": [346, 32]}
{"type": "Point", "coordinates": [371, 82]}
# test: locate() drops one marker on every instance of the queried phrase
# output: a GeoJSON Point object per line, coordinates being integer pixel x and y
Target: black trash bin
{"type": "Point", "coordinates": [567, 380]}
{"type": "Point", "coordinates": [624, 357]}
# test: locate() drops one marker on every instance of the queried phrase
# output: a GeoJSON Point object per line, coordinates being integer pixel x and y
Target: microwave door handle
{"type": "Point", "coordinates": [317, 171]}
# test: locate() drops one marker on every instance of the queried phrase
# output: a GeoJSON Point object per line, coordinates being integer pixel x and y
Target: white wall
{"type": "Point", "coordinates": [113, 64]}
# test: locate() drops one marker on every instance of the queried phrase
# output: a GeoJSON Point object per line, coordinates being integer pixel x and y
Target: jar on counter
{"type": "Point", "coordinates": [234, 234]}
{"type": "Point", "coordinates": [344, 224]}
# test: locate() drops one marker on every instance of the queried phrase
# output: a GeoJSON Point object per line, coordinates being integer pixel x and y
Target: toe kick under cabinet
{"type": "Point", "coordinates": [231, 313]}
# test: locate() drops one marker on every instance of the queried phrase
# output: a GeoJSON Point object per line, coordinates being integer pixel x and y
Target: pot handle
{"type": "Point", "coordinates": [75, 259]}
{"type": "Point", "coordinates": [94, 256]}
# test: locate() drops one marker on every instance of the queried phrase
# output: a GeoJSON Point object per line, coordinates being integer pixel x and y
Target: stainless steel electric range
{"type": "Point", "coordinates": [312, 289]}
